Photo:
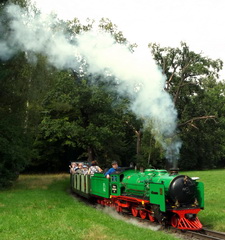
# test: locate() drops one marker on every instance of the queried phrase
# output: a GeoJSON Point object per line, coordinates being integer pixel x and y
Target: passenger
{"type": "Point", "coordinates": [114, 168]}
{"type": "Point", "coordinates": [73, 167]}
{"type": "Point", "coordinates": [80, 169]}
{"type": "Point", "coordinates": [94, 168]}
{"type": "Point", "coordinates": [85, 169]}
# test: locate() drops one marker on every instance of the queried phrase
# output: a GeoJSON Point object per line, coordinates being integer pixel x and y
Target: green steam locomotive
{"type": "Point", "coordinates": [166, 197]}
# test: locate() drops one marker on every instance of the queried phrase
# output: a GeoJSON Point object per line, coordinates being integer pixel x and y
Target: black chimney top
{"type": "Point", "coordinates": [174, 171]}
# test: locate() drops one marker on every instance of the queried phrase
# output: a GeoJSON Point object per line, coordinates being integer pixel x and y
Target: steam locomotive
{"type": "Point", "coordinates": [166, 197]}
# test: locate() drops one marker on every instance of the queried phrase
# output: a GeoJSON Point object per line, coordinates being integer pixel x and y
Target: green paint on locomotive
{"type": "Point", "coordinates": [149, 185]}
{"type": "Point", "coordinates": [139, 183]}
{"type": "Point", "coordinates": [100, 185]}
{"type": "Point", "coordinates": [155, 186]}
{"type": "Point", "coordinates": [200, 194]}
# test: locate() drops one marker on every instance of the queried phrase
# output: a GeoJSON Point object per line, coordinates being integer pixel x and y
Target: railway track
{"type": "Point", "coordinates": [204, 234]}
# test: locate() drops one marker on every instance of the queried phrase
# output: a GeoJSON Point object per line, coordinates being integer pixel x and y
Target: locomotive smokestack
{"type": "Point", "coordinates": [174, 171]}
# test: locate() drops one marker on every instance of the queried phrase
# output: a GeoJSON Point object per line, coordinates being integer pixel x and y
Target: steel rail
{"type": "Point", "coordinates": [202, 234]}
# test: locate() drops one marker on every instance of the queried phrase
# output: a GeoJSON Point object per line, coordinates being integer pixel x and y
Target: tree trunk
{"type": "Point", "coordinates": [138, 134]}
{"type": "Point", "coordinates": [90, 154]}
{"type": "Point", "coordinates": [150, 152]}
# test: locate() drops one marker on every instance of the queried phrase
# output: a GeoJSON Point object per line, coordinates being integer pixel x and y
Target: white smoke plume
{"type": "Point", "coordinates": [32, 32]}
{"type": "Point", "coordinates": [141, 78]}
{"type": "Point", "coordinates": [137, 73]}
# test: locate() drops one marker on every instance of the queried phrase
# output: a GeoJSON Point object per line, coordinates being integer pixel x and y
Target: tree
{"type": "Point", "coordinates": [15, 151]}
{"type": "Point", "coordinates": [191, 81]}
{"type": "Point", "coordinates": [24, 79]}
{"type": "Point", "coordinates": [204, 135]}
{"type": "Point", "coordinates": [84, 118]}
{"type": "Point", "coordinates": [15, 148]}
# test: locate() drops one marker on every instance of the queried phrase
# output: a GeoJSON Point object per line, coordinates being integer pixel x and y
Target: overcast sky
{"type": "Point", "coordinates": [200, 23]}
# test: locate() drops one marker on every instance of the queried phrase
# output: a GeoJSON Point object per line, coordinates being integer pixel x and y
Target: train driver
{"type": "Point", "coordinates": [112, 169]}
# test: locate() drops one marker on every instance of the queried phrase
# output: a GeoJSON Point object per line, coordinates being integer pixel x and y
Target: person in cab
{"type": "Point", "coordinates": [114, 168]}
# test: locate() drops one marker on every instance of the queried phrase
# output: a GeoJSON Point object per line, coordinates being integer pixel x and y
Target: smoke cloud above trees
{"type": "Point", "coordinates": [136, 74]}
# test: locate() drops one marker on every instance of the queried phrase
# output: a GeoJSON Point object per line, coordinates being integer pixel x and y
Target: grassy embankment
{"type": "Point", "coordinates": [41, 207]}
{"type": "Point", "coordinates": [213, 216]}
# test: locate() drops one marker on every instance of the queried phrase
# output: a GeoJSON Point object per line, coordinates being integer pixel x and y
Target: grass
{"type": "Point", "coordinates": [213, 216]}
{"type": "Point", "coordinates": [40, 207]}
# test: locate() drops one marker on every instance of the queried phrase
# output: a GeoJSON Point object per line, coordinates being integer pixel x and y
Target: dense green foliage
{"type": "Point", "coordinates": [41, 207]}
{"type": "Point", "coordinates": [49, 117]}
{"type": "Point", "coordinates": [192, 81]}
{"type": "Point", "coordinates": [83, 116]}
{"type": "Point", "coordinates": [14, 139]}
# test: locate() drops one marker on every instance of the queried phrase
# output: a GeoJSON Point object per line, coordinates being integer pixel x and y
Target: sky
{"type": "Point", "coordinates": [199, 23]}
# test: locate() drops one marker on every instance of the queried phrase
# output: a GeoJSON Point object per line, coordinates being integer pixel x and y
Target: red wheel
{"type": "Point", "coordinates": [174, 220]}
{"type": "Point", "coordinates": [118, 209]}
{"type": "Point", "coordinates": [143, 214]}
{"type": "Point", "coordinates": [134, 211]}
{"type": "Point", "coordinates": [112, 205]}
{"type": "Point", "coordinates": [151, 218]}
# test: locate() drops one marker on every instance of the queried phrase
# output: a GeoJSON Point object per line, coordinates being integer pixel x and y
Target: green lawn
{"type": "Point", "coordinates": [41, 207]}
{"type": "Point", "coordinates": [213, 216]}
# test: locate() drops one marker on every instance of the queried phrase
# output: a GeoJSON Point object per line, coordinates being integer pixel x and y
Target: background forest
{"type": "Point", "coordinates": [51, 116]}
